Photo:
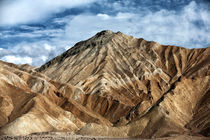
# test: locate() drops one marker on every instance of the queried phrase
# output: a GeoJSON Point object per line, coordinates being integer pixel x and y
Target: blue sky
{"type": "Point", "coordinates": [36, 31]}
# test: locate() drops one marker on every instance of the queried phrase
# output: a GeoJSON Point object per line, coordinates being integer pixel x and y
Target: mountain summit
{"type": "Point", "coordinates": [110, 85]}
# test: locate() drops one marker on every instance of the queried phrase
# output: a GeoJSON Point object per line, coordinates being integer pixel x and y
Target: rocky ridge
{"type": "Point", "coordinates": [110, 85]}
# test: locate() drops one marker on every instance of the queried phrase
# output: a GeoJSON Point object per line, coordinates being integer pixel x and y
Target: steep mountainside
{"type": "Point", "coordinates": [111, 85]}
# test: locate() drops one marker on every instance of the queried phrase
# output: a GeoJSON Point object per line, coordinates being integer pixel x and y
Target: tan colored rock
{"type": "Point", "coordinates": [29, 104]}
{"type": "Point", "coordinates": [111, 85]}
{"type": "Point", "coordinates": [123, 78]}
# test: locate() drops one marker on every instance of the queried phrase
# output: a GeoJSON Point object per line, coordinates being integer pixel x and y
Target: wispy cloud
{"type": "Point", "coordinates": [18, 59]}
{"type": "Point", "coordinates": [164, 26]}
{"type": "Point", "coordinates": [32, 53]}
{"type": "Point", "coordinates": [25, 11]}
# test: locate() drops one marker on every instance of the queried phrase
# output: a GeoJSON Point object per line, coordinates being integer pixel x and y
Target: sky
{"type": "Point", "coordinates": [35, 31]}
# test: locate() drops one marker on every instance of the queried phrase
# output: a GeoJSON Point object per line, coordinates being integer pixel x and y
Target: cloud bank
{"type": "Point", "coordinates": [34, 53]}
{"type": "Point", "coordinates": [183, 23]}
{"type": "Point", "coordinates": [28, 11]}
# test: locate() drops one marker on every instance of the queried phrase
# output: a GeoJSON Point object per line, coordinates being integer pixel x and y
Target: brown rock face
{"type": "Point", "coordinates": [110, 85]}
{"type": "Point", "coordinates": [28, 103]}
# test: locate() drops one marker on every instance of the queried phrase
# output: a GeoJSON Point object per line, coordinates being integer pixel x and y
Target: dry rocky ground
{"type": "Point", "coordinates": [111, 85]}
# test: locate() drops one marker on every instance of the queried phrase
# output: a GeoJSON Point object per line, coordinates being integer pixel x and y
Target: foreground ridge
{"type": "Point", "coordinates": [110, 85]}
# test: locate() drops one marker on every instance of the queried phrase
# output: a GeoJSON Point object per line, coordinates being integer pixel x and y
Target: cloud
{"type": "Point", "coordinates": [188, 26]}
{"type": "Point", "coordinates": [164, 26]}
{"type": "Point", "coordinates": [27, 11]}
{"type": "Point", "coordinates": [36, 53]}
{"type": "Point", "coordinates": [103, 16]}
{"type": "Point", "coordinates": [33, 34]}
{"type": "Point", "coordinates": [17, 59]}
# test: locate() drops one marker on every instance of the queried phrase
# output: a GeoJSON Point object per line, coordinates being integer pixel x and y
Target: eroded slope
{"type": "Point", "coordinates": [110, 85]}
{"type": "Point", "coordinates": [122, 79]}
{"type": "Point", "coordinates": [29, 104]}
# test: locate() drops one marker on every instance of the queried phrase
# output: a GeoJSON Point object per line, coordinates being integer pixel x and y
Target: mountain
{"type": "Point", "coordinates": [29, 103]}
{"type": "Point", "coordinates": [110, 85]}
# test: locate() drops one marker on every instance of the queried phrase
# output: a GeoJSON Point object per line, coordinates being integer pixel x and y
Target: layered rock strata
{"type": "Point", "coordinates": [110, 85]}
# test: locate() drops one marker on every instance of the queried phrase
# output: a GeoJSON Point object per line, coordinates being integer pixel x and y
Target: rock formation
{"type": "Point", "coordinates": [29, 103]}
{"type": "Point", "coordinates": [110, 85]}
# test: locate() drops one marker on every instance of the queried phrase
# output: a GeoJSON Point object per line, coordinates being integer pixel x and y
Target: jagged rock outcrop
{"type": "Point", "coordinates": [116, 85]}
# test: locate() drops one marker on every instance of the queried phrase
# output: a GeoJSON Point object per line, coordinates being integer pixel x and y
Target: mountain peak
{"type": "Point", "coordinates": [105, 32]}
{"type": "Point", "coordinates": [110, 85]}
{"type": "Point", "coordinates": [100, 39]}
{"type": "Point", "coordinates": [123, 78]}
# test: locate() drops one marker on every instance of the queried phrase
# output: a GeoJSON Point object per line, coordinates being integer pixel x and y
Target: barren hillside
{"type": "Point", "coordinates": [110, 85]}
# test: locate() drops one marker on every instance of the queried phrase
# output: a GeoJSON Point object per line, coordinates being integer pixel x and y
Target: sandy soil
{"type": "Point", "coordinates": [69, 136]}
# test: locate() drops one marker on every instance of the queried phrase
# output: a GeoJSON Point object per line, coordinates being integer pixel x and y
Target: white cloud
{"type": "Point", "coordinates": [103, 16]}
{"type": "Point", "coordinates": [36, 33]}
{"type": "Point", "coordinates": [125, 15]}
{"type": "Point", "coordinates": [44, 58]}
{"type": "Point", "coordinates": [47, 47]}
{"type": "Point", "coordinates": [17, 59]}
{"type": "Point", "coordinates": [25, 11]}
{"type": "Point", "coordinates": [32, 53]}
{"type": "Point", "coordinates": [84, 26]}
{"type": "Point", "coordinates": [163, 26]}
